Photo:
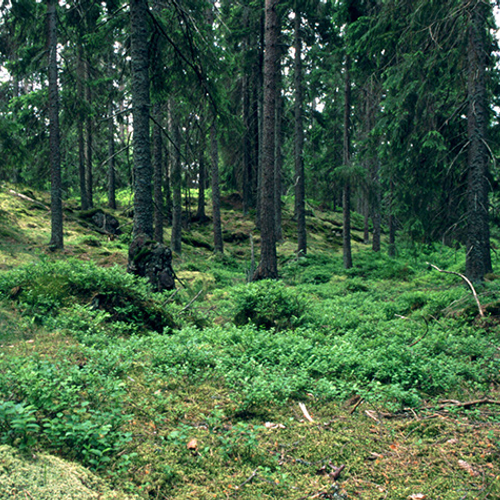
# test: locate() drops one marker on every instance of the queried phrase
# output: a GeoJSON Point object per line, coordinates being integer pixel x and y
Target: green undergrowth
{"type": "Point", "coordinates": [196, 393]}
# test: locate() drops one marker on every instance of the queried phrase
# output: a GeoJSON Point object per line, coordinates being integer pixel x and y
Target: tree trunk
{"type": "Point", "coordinates": [218, 242]}
{"type": "Point", "coordinates": [143, 172]}
{"type": "Point", "coordinates": [391, 251]}
{"type": "Point", "coordinates": [158, 174]}
{"type": "Point", "coordinates": [478, 257]}
{"type": "Point", "coordinates": [201, 216]}
{"type": "Point", "coordinates": [111, 158]}
{"type": "Point", "coordinates": [56, 240]}
{"type": "Point", "coordinates": [176, 183]}
{"type": "Point", "coordinates": [88, 138]}
{"type": "Point", "coordinates": [268, 265]}
{"type": "Point", "coordinates": [300, 212]}
{"type": "Point", "coordinates": [278, 164]}
{"type": "Point", "coordinates": [346, 150]}
{"type": "Point", "coordinates": [167, 188]}
{"type": "Point", "coordinates": [80, 78]}
{"type": "Point", "coordinates": [247, 124]}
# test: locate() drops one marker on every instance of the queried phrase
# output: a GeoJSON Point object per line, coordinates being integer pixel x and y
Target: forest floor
{"type": "Point", "coordinates": [381, 382]}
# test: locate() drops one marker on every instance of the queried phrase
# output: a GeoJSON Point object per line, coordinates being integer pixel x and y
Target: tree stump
{"type": "Point", "coordinates": [152, 260]}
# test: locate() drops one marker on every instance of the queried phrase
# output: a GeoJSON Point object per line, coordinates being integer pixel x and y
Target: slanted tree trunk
{"type": "Point", "coordinates": [268, 265]}
{"type": "Point", "coordinates": [56, 239]}
{"type": "Point", "coordinates": [158, 174]}
{"type": "Point", "coordinates": [300, 209]}
{"type": "Point", "coordinates": [143, 172]}
{"type": "Point", "coordinates": [218, 242]}
{"type": "Point", "coordinates": [478, 257]}
{"type": "Point", "coordinates": [346, 150]}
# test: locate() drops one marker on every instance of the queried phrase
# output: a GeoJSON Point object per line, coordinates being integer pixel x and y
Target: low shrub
{"type": "Point", "coordinates": [268, 304]}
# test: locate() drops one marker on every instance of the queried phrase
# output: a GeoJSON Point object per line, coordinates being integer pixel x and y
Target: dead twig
{"type": "Point", "coordinates": [445, 403]}
{"type": "Point", "coordinates": [303, 408]}
{"type": "Point", "coordinates": [353, 409]}
{"type": "Point", "coordinates": [190, 303]}
{"type": "Point", "coordinates": [467, 280]}
{"type": "Point", "coordinates": [246, 481]}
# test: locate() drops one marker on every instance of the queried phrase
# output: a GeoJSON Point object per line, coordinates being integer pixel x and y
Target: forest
{"type": "Point", "coordinates": [248, 249]}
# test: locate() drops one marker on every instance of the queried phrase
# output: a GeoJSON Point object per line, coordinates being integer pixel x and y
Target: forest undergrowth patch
{"type": "Point", "coordinates": [379, 382]}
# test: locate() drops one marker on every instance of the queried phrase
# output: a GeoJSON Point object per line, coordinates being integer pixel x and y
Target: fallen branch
{"type": "Point", "coordinates": [467, 280]}
{"type": "Point", "coordinates": [191, 302]}
{"type": "Point", "coordinates": [27, 198]}
{"type": "Point", "coordinates": [458, 404]}
{"type": "Point", "coordinates": [302, 406]}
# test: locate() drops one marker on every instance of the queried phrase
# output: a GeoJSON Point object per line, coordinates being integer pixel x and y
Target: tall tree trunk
{"type": "Point", "coordinates": [111, 132]}
{"type": "Point", "coordinates": [376, 204]}
{"type": "Point", "coordinates": [268, 265]}
{"type": "Point", "coordinates": [89, 137]}
{"type": "Point", "coordinates": [278, 162]}
{"type": "Point", "coordinates": [259, 95]}
{"type": "Point", "coordinates": [247, 124]}
{"type": "Point", "coordinates": [346, 153]}
{"type": "Point", "coordinates": [168, 168]}
{"type": "Point", "coordinates": [176, 183]}
{"type": "Point", "coordinates": [143, 172]}
{"type": "Point", "coordinates": [111, 157]}
{"type": "Point", "coordinates": [158, 173]}
{"type": "Point", "coordinates": [202, 175]}
{"type": "Point", "coordinates": [478, 257]}
{"type": "Point", "coordinates": [56, 239]}
{"type": "Point", "coordinates": [300, 212]}
{"type": "Point", "coordinates": [80, 92]}
{"type": "Point", "coordinates": [218, 242]}
{"type": "Point", "coordinates": [391, 251]}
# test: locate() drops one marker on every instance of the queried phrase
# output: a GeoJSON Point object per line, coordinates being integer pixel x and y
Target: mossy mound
{"type": "Point", "coordinates": [45, 477]}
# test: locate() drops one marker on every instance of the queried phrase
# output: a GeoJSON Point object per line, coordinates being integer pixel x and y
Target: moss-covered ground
{"type": "Point", "coordinates": [380, 382]}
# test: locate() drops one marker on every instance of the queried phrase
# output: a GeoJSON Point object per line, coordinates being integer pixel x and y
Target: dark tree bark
{"type": "Point", "coordinates": [268, 265]}
{"type": "Point", "coordinates": [158, 174]}
{"type": "Point", "coordinates": [300, 211]}
{"type": "Point", "coordinates": [346, 153]}
{"type": "Point", "coordinates": [278, 162]}
{"type": "Point", "coordinates": [218, 242]}
{"type": "Point", "coordinates": [111, 158]}
{"type": "Point", "coordinates": [247, 178]}
{"type": "Point", "coordinates": [56, 239]}
{"type": "Point", "coordinates": [391, 251]}
{"type": "Point", "coordinates": [167, 190]}
{"type": "Point", "coordinates": [80, 92]}
{"type": "Point", "coordinates": [89, 139]}
{"type": "Point", "coordinates": [202, 177]}
{"type": "Point", "coordinates": [376, 217]}
{"type": "Point", "coordinates": [478, 257]}
{"type": "Point", "coordinates": [176, 183]}
{"type": "Point", "coordinates": [143, 200]}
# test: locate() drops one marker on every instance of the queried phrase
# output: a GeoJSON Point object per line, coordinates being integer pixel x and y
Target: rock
{"type": "Point", "coordinates": [150, 259]}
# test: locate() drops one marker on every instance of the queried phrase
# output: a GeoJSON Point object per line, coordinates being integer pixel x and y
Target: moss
{"type": "Point", "coordinates": [45, 477]}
